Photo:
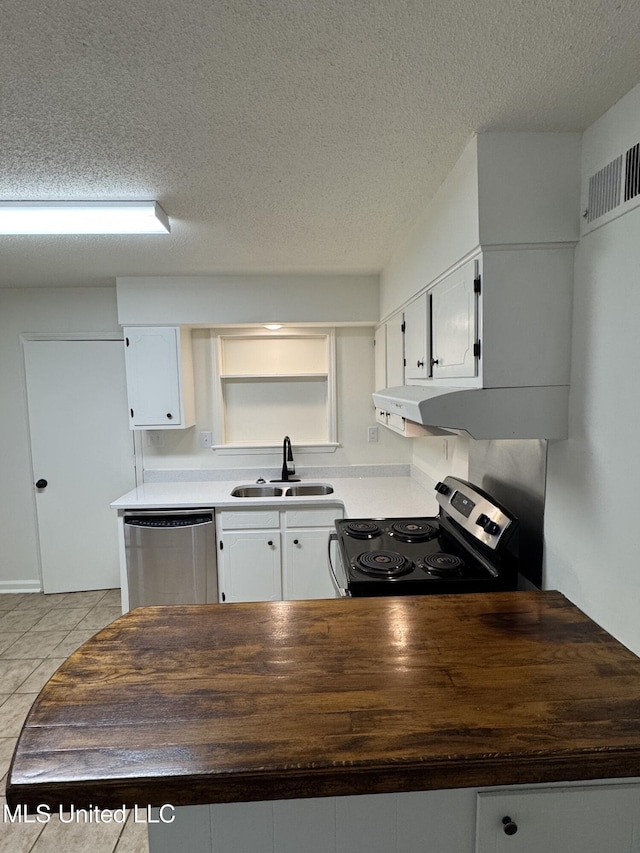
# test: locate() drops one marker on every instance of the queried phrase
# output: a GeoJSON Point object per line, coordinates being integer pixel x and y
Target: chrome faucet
{"type": "Point", "coordinates": [287, 462]}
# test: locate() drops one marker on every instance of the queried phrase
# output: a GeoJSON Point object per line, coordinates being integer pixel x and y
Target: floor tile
{"type": "Point", "coordinates": [9, 600]}
{"type": "Point", "coordinates": [41, 674]}
{"type": "Point", "coordinates": [60, 619]}
{"type": "Point", "coordinates": [7, 640]}
{"type": "Point", "coordinates": [13, 713]}
{"type": "Point", "coordinates": [83, 599]}
{"type": "Point", "coordinates": [22, 675]}
{"type": "Point", "coordinates": [78, 837]}
{"type": "Point", "coordinates": [17, 837]}
{"type": "Point", "coordinates": [134, 838]}
{"type": "Point", "coordinates": [19, 620]}
{"type": "Point", "coordinates": [113, 596]}
{"type": "Point", "coordinates": [37, 601]}
{"type": "Point", "coordinates": [72, 641]}
{"type": "Point", "coordinates": [7, 745]}
{"type": "Point", "coordinates": [14, 672]}
{"type": "Point", "coordinates": [100, 616]}
{"type": "Point", "coordinates": [34, 644]}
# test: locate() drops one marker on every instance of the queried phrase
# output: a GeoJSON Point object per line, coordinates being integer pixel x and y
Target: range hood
{"type": "Point", "coordinates": [483, 413]}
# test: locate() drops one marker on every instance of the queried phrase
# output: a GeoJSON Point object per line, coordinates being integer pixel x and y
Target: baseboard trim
{"type": "Point", "coordinates": [20, 586]}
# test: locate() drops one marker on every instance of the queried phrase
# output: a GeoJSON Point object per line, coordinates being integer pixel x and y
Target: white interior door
{"type": "Point", "coordinates": [82, 446]}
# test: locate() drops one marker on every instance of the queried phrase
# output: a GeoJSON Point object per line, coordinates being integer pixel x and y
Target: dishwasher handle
{"type": "Point", "coordinates": [169, 520]}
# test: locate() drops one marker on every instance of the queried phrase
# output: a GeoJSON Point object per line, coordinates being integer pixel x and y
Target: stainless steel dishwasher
{"type": "Point", "coordinates": [171, 556]}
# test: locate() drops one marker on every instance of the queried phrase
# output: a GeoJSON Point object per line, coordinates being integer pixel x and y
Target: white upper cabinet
{"type": "Point", "coordinates": [395, 350]}
{"type": "Point", "coordinates": [455, 346]}
{"type": "Point", "coordinates": [417, 339]}
{"type": "Point", "coordinates": [380, 357]}
{"type": "Point", "coordinates": [159, 377]}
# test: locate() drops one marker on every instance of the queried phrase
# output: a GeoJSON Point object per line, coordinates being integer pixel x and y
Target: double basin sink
{"type": "Point", "coordinates": [298, 490]}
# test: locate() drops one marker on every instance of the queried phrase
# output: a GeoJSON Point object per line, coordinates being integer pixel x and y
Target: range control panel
{"type": "Point", "coordinates": [474, 510]}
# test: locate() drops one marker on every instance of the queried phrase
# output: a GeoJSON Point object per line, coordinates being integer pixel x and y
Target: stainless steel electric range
{"type": "Point", "coordinates": [470, 546]}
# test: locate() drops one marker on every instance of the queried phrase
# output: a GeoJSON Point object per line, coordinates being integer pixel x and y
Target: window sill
{"type": "Point", "coordinates": [270, 449]}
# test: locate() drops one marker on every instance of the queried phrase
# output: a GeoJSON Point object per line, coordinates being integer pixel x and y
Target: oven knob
{"type": "Point", "coordinates": [491, 528]}
{"type": "Point", "coordinates": [442, 489]}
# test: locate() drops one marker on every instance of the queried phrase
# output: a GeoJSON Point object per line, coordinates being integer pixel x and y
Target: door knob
{"type": "Point", "coordinates": [41, 484]}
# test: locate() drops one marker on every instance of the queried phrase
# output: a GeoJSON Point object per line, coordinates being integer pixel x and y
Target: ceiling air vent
{"type": "Point", "coordinates": [604, 190]}
{"type": "Point", "coordinates": [632, 173]}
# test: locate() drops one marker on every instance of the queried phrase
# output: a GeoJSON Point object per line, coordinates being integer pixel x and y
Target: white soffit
{"type": "Point", "coordinates": [281, 136]}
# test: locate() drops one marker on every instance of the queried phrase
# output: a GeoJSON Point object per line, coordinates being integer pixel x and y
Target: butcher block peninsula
{"type": "Point", "coordinates": [474, 721]}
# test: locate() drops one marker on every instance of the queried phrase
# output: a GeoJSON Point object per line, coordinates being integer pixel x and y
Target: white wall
{"type": "Point", "coordinates": [592, 479]}
{"type": "Point", "coordinates": [447, 230]}
{"type": "Point", "coordinates": [354, 356]}
{"type": "Point", "coordinates": [232, 299]}
{"type": "Point", "coordinates": [42, 310]}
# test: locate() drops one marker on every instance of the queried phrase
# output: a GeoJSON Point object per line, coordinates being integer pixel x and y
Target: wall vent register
{"type": "Point", "coordinates": [613, 189]}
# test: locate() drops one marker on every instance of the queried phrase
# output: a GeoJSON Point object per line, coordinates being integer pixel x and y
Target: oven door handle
{"type": "Point", "coordinates": [342, 590]}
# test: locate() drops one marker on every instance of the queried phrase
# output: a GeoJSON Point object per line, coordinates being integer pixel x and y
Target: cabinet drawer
{"type": "Point", "coordinates": [248, 518]}
{"type": "Point", "coordinates": [313, 517]}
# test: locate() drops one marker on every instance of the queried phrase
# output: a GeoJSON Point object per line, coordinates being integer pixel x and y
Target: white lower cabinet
{"type": "Point", "coordinates": [568, 818]}
{"type": "Point", "coordinates": [594, 819]}
{"type": "Point", "coordinates": [253, 565]}
{"type": "Point", "coordinates": [306, 572]}
{"type": "Point", "coordinates": [249, 566]}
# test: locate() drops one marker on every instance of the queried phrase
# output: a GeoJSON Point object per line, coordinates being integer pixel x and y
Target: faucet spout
{"type": "Point", "coordinates": [288, 467]}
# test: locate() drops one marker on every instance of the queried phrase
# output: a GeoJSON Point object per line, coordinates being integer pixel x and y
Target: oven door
{"type": "Point", "coordinates": [338, 573]}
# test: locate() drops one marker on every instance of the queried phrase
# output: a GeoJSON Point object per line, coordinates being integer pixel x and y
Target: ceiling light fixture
{"type": "Point", "coordinates": [273, 327]}
{"type": "Point", "coordinates": [82, 217]}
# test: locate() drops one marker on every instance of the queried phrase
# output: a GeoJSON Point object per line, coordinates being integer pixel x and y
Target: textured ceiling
{"type": "Point", "coordinates": [279, 135]}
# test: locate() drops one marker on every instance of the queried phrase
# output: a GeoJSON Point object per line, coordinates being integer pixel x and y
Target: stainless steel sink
{"type": "Point", "coordinates": [309, 489]}
{"type": "Point", "coordinates": [257, 492]}
{"type": "Point", "coordinates": [302, 490]}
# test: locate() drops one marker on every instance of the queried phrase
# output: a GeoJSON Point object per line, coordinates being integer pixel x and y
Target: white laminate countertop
{"type": "Point", "coordinates": [361, 497]}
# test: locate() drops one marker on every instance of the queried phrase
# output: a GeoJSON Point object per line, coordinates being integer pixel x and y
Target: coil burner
{"type": "Point", "coordinates": [470, 546]}
{"type": "Point", "coordinates": [362, 529]}
{"type": "Point", "coordinates": [443, 565]}
{"type": "Point", "coordinates": [388, 564]}
{"type": "Point", "coordinates": [413, 531]}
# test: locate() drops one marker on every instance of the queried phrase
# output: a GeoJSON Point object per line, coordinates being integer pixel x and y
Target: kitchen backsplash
{"type": "Point", "coordinates": [178, 475]}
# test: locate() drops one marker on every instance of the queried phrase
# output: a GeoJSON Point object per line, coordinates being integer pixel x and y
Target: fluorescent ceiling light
{"type": "Point", "coordinates": [82, 217]}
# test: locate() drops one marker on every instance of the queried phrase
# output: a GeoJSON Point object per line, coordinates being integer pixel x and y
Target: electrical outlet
{"type": "Point", "coordinates": [372, 433]}
{"type": "Point", "coordinates": [155, 438]}
{"type": "Point", "coordinates": [206, 440]}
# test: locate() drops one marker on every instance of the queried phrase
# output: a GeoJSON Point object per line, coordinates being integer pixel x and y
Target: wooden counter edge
{"type": "Point", "coordinates": [489, 771]}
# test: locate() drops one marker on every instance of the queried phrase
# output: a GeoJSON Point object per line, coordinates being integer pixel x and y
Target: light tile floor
{"type": "Point", "coordinates": [37, 632]}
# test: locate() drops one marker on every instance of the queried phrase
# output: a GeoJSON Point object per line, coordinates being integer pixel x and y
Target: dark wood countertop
{"type": "Point", "coordinates": [218, 703]}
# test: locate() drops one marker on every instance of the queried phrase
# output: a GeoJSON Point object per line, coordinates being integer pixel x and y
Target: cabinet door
{"type": "Point", "coordinates": [306, 567]}
{"type": "Point", "coordinates": [156, 387]}
{"type": "Point", "coordinates": [560, 820]}
{"type": "Point", "coordinates": [454, 325]}
{"type": "Point", "coordinates": [395, 350]}
{"type": "Point", "coordinates": [416, 339]}
{"type": "Point", "coordinates": [249, 566]}
{"type": "Point", "coordinates": [380, 357]}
